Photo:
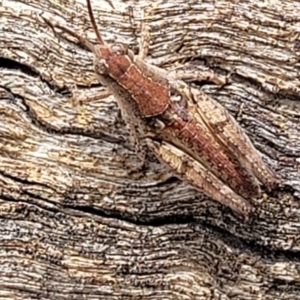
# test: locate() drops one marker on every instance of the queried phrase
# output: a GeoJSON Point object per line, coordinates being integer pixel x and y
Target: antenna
{"type": "Point", "coordinates": [92, 18]}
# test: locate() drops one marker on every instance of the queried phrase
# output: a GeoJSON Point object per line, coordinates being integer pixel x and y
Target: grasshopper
{"type": "Point", "coordinates": [191, 133]}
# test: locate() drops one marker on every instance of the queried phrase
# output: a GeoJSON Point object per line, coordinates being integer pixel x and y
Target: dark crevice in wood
{"type": "Point", "coordinates": [14, 65]}
{"type": "Point", "coordinates": [138, 220]}
{"type": "Point", "coordinates": [28, 70]}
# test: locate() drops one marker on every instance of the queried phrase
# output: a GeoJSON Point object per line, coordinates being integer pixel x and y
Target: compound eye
{"type": "Point", "coordinates": [100, 66]}
{"type": "Point", "coordinates": [119, 49]}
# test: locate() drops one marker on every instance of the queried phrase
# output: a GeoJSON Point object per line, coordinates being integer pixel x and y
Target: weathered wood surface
{"type": "Point", "coordinates": [79, 220]}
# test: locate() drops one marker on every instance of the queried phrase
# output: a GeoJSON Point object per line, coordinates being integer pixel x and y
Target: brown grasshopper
{"type": "Point", "coordinates": [187, 130]}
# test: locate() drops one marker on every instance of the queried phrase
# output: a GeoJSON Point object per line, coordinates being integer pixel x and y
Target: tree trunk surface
{"type": "Point", "coordinates": [80, 219]}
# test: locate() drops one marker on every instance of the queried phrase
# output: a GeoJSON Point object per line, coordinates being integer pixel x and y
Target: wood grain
{"type": "Point", "coordinates": [80, 220]}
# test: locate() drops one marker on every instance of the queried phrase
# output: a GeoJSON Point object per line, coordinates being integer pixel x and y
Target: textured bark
{"type": "Point", "coordinates": [80, 220]}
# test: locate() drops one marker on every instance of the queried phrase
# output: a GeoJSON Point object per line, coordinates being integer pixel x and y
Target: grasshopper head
{"type": "Point", "coordinates": [101, 59]}
{"type": "Point", "coordinates": [106, 56]}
